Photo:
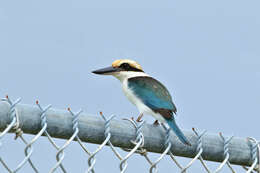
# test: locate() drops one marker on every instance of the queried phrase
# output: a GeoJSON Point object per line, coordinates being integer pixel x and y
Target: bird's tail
{"type": "Point", "coordinates": [171, 122]}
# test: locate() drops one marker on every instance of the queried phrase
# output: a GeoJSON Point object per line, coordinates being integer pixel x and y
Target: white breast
{"type": "Point", "coordinates": [123, 76]}
{"type": "Point", "coordinates": [143, 109]}
{"type": "Point", "coordinates": [132, 98]}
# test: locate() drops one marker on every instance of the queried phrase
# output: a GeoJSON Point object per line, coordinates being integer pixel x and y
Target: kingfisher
{"type": "Point", "coordinates": [148, 94]}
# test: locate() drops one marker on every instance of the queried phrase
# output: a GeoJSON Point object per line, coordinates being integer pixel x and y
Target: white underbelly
{"type": "Point", "coordinates": [139, 104]}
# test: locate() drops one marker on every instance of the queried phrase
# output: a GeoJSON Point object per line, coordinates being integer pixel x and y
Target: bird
{"type": "Point", "coordinates": [148, 94]}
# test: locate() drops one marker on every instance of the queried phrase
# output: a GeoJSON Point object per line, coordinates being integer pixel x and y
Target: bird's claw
{"type": "Point", "coordinates": [139, 120]}
{"type": "Point", "coordinates": [156, 123]}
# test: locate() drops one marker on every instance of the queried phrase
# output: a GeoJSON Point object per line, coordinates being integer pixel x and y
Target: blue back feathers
{"type": "Point", "coordinates": [152, 93]}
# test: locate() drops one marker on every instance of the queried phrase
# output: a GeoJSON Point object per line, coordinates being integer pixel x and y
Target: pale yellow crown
{"type": "Point", "coordinates": [132, 63]}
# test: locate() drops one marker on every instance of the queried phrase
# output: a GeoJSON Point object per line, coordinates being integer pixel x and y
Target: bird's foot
{"type": "Point", "coordinates": [156, 123]}
{"type": "Point", "coordinates": [139, 118]}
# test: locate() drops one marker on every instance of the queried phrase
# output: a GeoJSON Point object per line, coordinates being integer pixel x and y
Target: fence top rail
{"type": "Point", "coordinates": [92, 129]}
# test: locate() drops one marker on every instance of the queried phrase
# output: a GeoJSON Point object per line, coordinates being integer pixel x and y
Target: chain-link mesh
{"type": "Point", "coordinates": [134, 140]}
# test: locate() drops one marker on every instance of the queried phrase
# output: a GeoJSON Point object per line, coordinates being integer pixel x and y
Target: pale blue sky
{"type": "Point", "coordinates": [206, 53]}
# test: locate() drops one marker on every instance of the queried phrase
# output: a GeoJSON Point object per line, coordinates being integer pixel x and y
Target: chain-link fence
{"type": "Point", "coordinates": [132, 137]}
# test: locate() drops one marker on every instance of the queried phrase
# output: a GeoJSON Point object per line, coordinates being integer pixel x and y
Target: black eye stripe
{"type": "Point", "coordinates": [125, 65]}
{"type": "Point", "coordinates": [128, 67]}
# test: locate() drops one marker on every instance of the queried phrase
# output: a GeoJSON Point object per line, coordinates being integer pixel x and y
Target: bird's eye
{"type": "Point", "coordinates": [125, 66]}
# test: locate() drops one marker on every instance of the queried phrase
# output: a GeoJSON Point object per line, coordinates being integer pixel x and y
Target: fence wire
{"type": "Point", "coordinates": [14, 119]}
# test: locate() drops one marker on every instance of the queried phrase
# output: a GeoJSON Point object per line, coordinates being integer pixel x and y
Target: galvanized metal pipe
{"type": "Point", "coordinates": [92, 128]}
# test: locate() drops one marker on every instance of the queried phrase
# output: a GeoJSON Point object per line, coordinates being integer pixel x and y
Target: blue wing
{"type": "Point", "coordinates": [158, 98]}
{"type": "Point", "coordinates": [153, 94]}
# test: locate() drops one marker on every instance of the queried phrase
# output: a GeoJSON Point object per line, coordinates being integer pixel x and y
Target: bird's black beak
{"type": "Point", "coordinates": [107, 70]}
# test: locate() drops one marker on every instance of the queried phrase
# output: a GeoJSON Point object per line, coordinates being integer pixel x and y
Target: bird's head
{"type": "Point", "coordinates": [121, 69]}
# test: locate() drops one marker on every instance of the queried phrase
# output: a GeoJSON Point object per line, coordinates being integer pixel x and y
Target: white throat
{"type": "Point", "coordinates": [123, 75]}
